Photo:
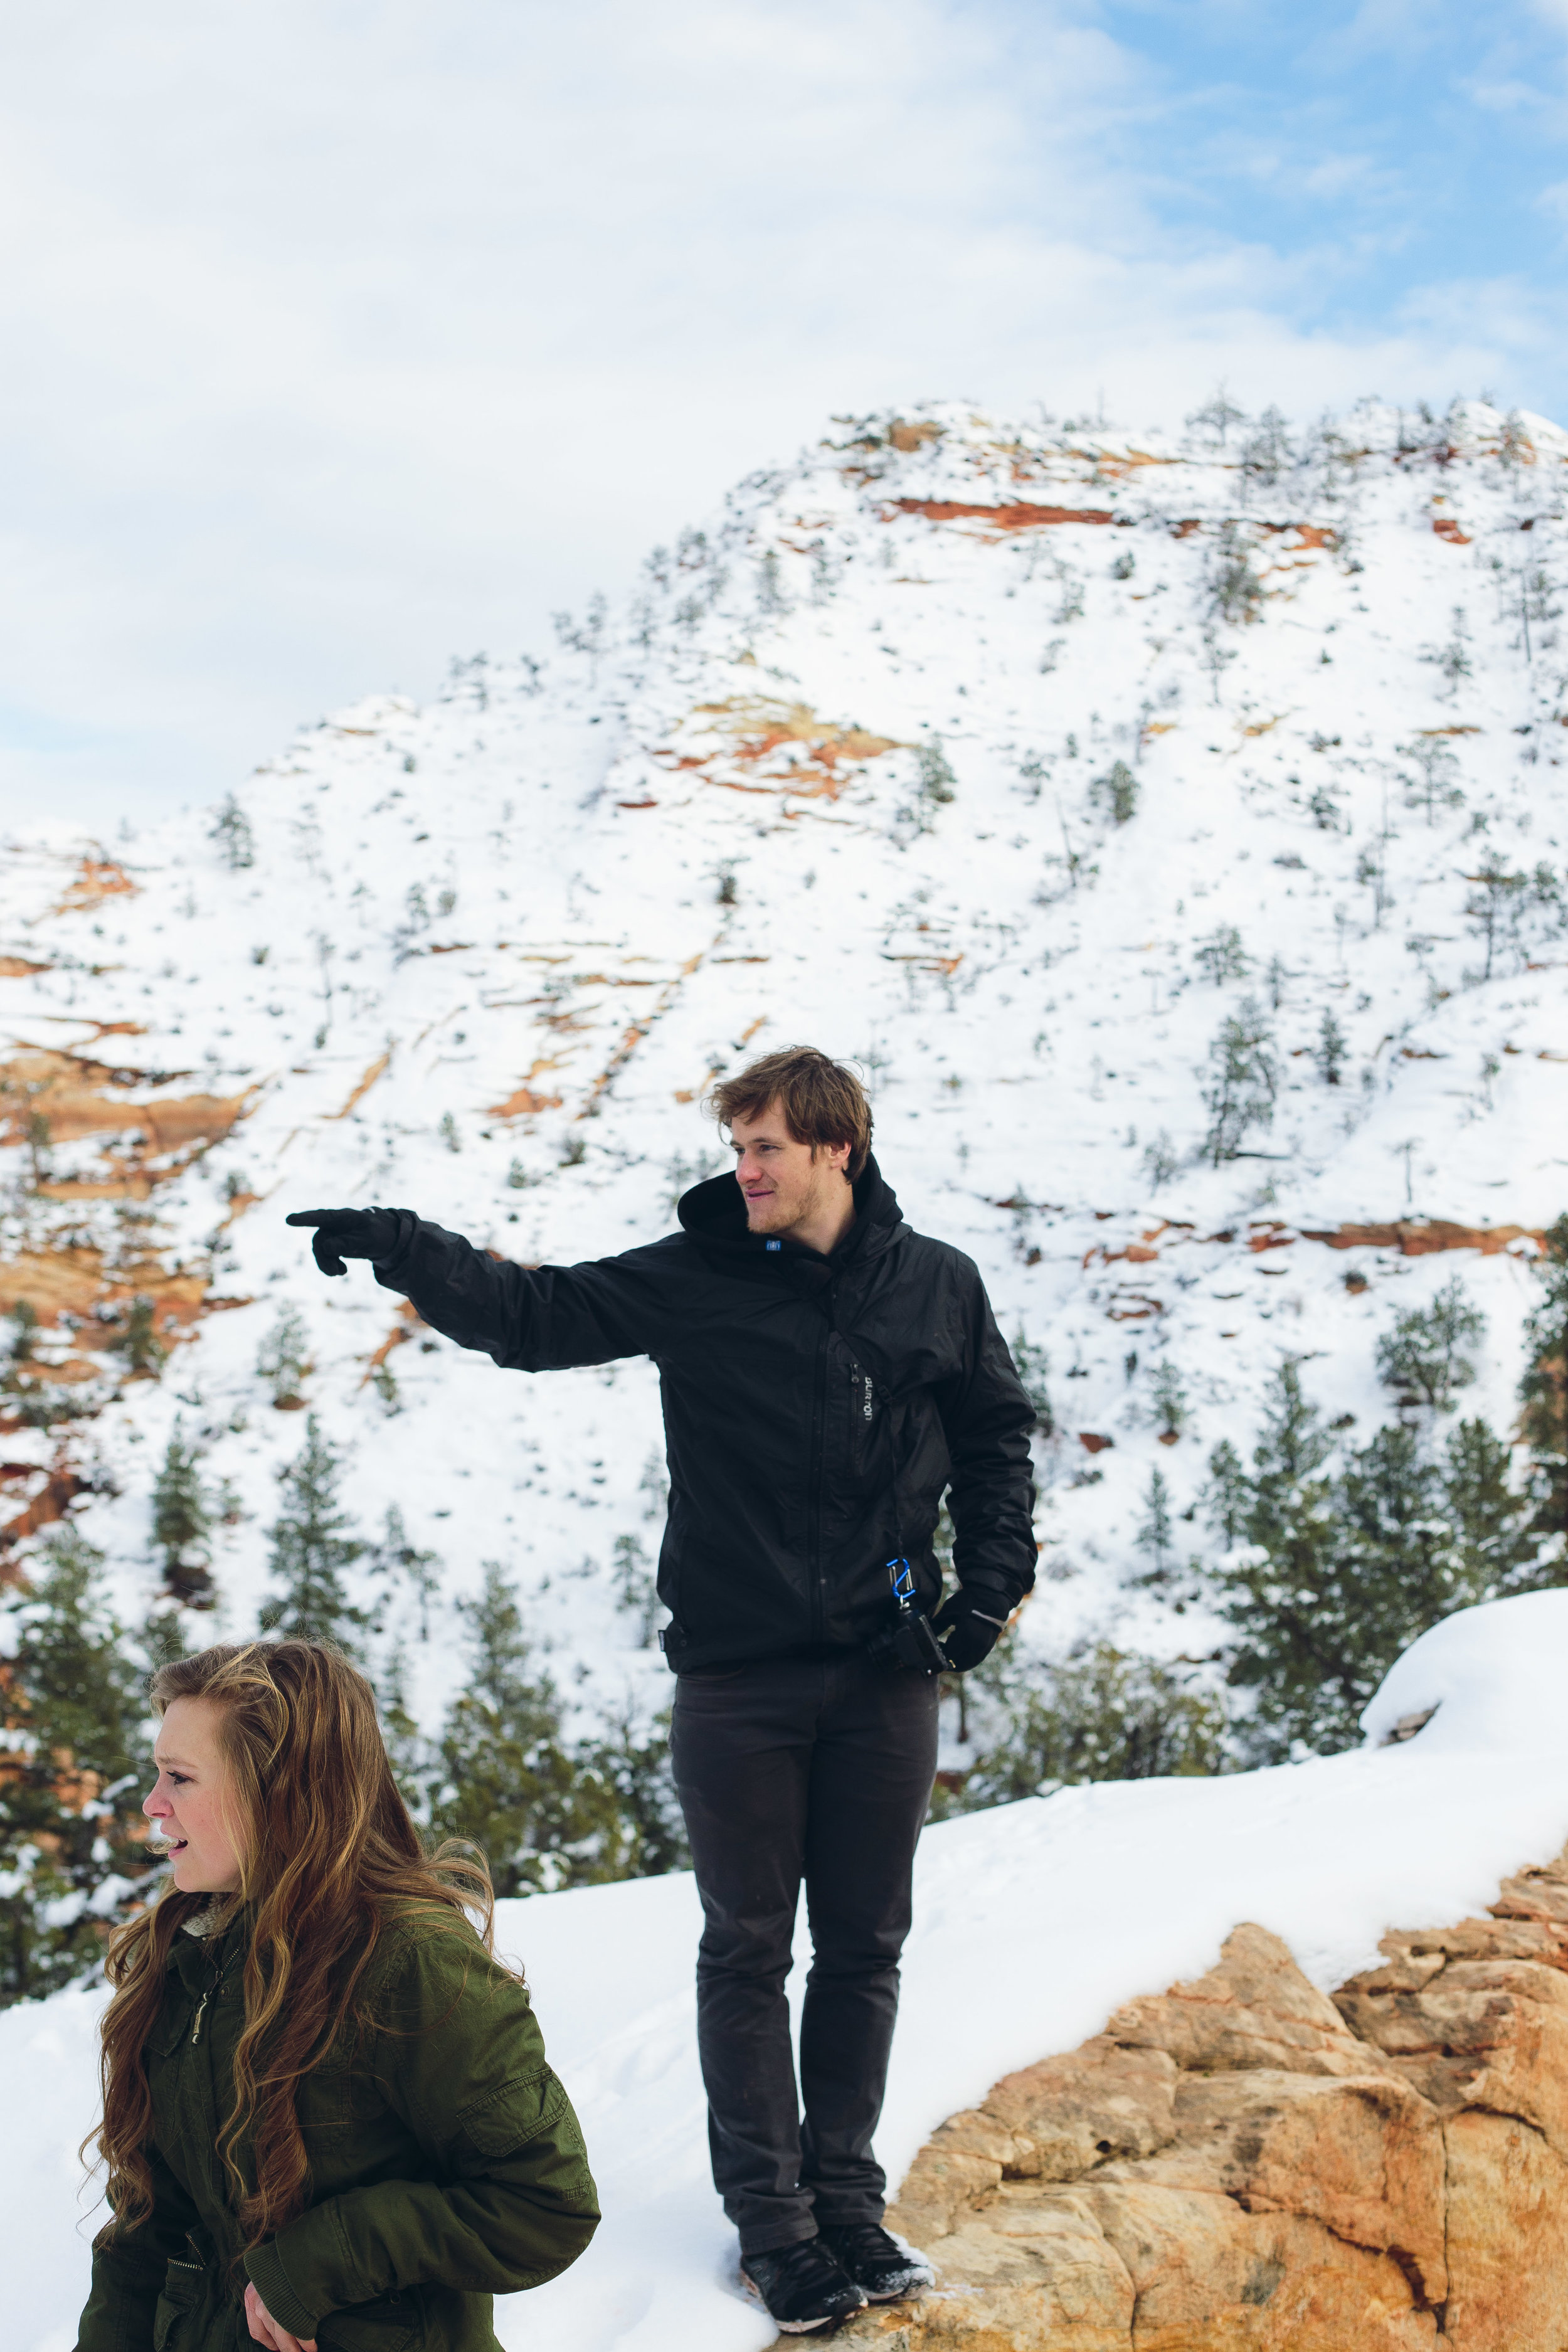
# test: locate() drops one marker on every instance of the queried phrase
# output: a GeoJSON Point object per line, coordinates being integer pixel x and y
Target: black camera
{"type": "Point", "coordinates": [909, 1644]}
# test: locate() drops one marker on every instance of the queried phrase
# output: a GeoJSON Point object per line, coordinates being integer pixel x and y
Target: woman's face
{"type": "Point", "coordinates": [189, 1806]}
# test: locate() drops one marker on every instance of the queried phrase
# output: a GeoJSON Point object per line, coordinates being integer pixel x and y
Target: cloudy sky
{"type": "Point", "coordinates": [344, 337]}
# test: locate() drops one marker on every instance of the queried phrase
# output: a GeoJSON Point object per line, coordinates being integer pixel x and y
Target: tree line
{"type": "Point", "coordinates": [1323, 1559]}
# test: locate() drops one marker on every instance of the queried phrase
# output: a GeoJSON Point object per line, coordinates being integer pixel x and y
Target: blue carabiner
{"type": "Point", "coordinates": [903, 1578]}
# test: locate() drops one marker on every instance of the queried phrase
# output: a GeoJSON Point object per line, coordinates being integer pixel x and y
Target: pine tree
{"type": "Point", "coordinates": [397, 1555]}
{"type": "Point", "coordinates": [1032, 1364]}
{"type": "Point", "coordinates": [938, 784]}
{"type": "Point", "coordinates": [1228, 1494]}
{"type": "Point", "coordinates": [1116, 793]}
{"type": "Point", "coordinates": [1490, 1519]}
{"type": "Point", "coordinates": [73, 1767]}
{"type": "Point", "coordinates": [1453, 660]}
{"type": "Point", "coordinates": [1330, 1050]}
{"type": "Point", "coordinates": [1439, 768]}
{"type": "Point", "coordinates": [1168, 1395]}
{"type": "Point", "coordinates": [1334, 1577]}
{"type": "Point", "coordinates": [1222, 957]}
{"type": "Point", "coordinates": [546, 1815]}
{"type": "Point", "coordinates": [636, 1587]}
{"type": "Point", "coordinates": [1396, 1569]}
{"type": "Point", "coordinates": [504, 1781]}
{"type": "Point", "coordinates": [1266, 451]}
{"type": "Point", "coordinates": [182, 1524]}
{"type": "Point", "coordinates": [1276, 1521]}
{"type": "Point", "coordinates": [1493, 909]}
{"type": "Point", "coordinates": [1242, 1082]}
{"type": "Point", "coordinates": [146, 1352]}
{"type": "Point", "coordinates": [1423, 1357]}
{"type": "Point", "coordinates": [1155, 1536]}
{"type": "Point", "coordinates": [1234, 588]}
{"type": "Point", "coordinates": [625, 1783]}
{"type": "Point", "coordinates": [231, 831]}
{"type": "Point", "coordinates": [1543, 1391]}
{"type": "Point", "coordinates": [283, 1360]}
{"type": "Point", "coordinates": [311, 1549]}
{"type": "Point", "coordinates": [407, 1749]}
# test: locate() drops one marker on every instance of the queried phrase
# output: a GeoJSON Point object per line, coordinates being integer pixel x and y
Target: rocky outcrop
{"type": "Point", "coordinates": [1244, 2165]}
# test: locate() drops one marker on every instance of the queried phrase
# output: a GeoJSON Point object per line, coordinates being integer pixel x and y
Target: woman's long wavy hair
{"type": "Point", "coordinates": [327, 1848]}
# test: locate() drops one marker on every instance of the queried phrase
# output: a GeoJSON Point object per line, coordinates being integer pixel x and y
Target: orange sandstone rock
{"type": "Point", "coordinates": [1241, 2165]}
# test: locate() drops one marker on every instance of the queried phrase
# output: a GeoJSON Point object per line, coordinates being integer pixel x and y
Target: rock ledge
{"type": "Point", "coordinates": [1243, 2165]}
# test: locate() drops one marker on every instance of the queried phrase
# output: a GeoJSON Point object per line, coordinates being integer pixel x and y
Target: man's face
{"type": "Point", "coordinates": [783, 1184]}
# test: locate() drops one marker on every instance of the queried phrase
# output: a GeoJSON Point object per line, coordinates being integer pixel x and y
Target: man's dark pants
{"type": "Point", "coordinates": [793, 1768]}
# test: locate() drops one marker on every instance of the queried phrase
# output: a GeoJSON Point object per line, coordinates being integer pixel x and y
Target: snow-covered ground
{"type": "Point", "coordinates": [1032, 1923]}
{"type": "Point", "coordinates": [489, 952]}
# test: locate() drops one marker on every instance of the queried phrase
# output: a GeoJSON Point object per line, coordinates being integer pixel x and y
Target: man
{"type": "Point", "coordinates": [827, 1373]}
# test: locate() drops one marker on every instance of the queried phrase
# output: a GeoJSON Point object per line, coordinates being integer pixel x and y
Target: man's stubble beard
{"type": "Point", "coordinates": [779, 1216]}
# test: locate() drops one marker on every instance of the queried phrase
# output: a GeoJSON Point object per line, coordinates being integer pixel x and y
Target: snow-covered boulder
{"type": "Point", "coordinates": [1494, 1677]}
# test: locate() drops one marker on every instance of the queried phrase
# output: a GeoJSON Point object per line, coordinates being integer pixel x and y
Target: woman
{"type": "Point", "coordinates": [327, 2116]}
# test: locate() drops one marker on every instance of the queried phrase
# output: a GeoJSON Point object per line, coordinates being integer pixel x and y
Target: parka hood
{"type": "Point", "coordinates": [713, 1215]}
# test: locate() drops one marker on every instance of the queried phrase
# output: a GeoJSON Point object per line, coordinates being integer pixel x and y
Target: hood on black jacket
{"type": "Point", "coordinates": [714, 1215]}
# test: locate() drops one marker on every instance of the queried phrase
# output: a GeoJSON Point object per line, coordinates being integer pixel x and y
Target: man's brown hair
{"type": "Point", "coordinates": [822, 1100]}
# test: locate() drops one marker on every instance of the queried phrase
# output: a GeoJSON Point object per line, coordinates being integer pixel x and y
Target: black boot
{"type": "Point", "coordinates": [801, 2286]}
{"type": "Point", "coordinates": [876, 2262]}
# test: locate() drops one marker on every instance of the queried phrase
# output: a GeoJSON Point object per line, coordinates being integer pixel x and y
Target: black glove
{"type": "Point", "coordinates": [352, 1233]}
{"type": "Point", "coordinates": [969, 1624]}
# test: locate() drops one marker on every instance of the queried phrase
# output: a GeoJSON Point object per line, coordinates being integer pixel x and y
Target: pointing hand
{"type": "Point", "coordinates": [351, 1233]}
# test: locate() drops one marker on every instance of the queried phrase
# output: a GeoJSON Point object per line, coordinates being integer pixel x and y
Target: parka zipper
{"type": "Point", "coordinates": [218, 1975]}
{"type": "Point", "coordinates": [814, 1546]}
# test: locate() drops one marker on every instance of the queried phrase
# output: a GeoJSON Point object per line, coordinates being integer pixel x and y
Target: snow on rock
{"type": "Point", "coordinates": [1489, 1678]}
{"type": "Point", "coordinates": [1033, 1923]}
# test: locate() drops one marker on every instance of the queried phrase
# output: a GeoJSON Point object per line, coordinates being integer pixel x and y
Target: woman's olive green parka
{"type": "Point", "coordinates": [445, 2164]}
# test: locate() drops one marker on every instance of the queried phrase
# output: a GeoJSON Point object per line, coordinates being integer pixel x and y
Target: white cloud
{"type": "Point", "coordinates": [348, 336]}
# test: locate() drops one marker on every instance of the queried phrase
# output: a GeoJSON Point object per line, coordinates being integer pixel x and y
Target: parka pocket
{"type": "Point", "coordinates": [393, 2323]}
{"type": "Point", "coordinates": [171, 2026]}
{"type": "Point", "coordinates": [182, 2292]}
{"type": "Point", "coordinates": [507, 2119]}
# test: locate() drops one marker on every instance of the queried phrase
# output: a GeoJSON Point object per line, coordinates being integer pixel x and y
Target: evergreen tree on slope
{"type": "Point", "coordinates": [505, 1781]}
{"type": "Point", "coordinates": [182, 1524]}
{"type": "Point", "coordinates": [1329, 1578]}
{"type": "Point", "coordinates": [311, 1548]}
{"type": "Point", "coordinates": [1544, 1391]}
{"type": "Point", "coordinates": [73, 1771]}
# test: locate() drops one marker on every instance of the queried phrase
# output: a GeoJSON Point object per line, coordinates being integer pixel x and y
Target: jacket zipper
{"type": "Point", "coordinates": [814, 1552]}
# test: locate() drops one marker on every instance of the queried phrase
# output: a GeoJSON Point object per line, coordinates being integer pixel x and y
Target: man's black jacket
{"type": "Point", "coordinates": [815, 1409]}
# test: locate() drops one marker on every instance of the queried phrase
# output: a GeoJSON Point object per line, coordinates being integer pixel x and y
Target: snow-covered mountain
{"type": "Point", "coordinates": [1014, 761]}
